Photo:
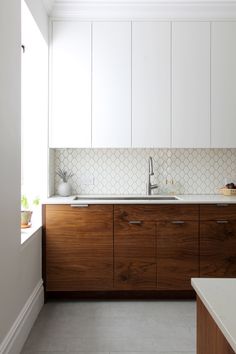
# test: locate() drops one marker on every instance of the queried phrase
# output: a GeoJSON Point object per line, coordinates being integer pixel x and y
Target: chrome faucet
{"type": "Point", "coordinates": [150, 186]}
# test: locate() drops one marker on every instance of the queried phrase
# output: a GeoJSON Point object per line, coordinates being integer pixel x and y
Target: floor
{"type": "Point", "coordinates": [114, 327]}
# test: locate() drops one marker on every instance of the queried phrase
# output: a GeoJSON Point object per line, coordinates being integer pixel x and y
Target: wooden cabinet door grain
{"type": "Point", "coordinates": [79, 247]}
{"type": "Point", "coordinates": [134, 253]}
{"type": "Point", "coordinates": [218, 248]}
{"type": "Point", "coordinates": [210, 339]}
{"type": "Point", "coordinates": [177, 254]}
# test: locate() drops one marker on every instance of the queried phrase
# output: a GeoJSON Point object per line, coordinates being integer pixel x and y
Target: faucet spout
{"type": "Point", "coordinates": [150, 162]}
{"type": "Point", "coordinates": [150, 186]}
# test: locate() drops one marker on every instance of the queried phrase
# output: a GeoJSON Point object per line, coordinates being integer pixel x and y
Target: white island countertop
{"type": "Point", "coordinates": [118, 199]}
{"type": "Point", "coordinates": [219, 298]}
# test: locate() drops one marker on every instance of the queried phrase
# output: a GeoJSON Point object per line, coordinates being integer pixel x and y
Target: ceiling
{"type": "Point", "coordinates": [71, 7]}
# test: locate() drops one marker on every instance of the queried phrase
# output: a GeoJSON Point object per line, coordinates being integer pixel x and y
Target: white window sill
{"type": "Point", "coordinates": [28, 233]}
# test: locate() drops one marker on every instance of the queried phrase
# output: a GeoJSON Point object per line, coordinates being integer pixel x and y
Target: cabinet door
{"type": "Point", "coordinates": [134, 254]}
{"type": "Point", "coordinates": [151, 84]}
{"type": "Point", "coordinates": [223, 85]}
{"type": "Point", "coordinates": [191, 85]}
{"type": "Point", "coordinates": [218, 248]}
{"type": "Point", "coordinates": [111, 97]}
{"type": "Point", "coordinates": [79, 248]}
{"type": "Point", "coordinates": [70, 116]}
{"type": "Point", "coordinates": [177, 254]}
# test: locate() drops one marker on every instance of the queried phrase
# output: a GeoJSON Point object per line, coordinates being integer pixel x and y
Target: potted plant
{"type": "Point", "coordinates": [26, 211]}
{"type": "Point", "coordinates": [64, 188]}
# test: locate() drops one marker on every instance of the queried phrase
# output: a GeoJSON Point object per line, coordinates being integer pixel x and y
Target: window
{"type": "Point", "coordinates": [34, 100]}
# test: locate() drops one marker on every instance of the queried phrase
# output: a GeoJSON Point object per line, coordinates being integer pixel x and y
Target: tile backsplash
{"type": "Point", "coordinates": [125, 171]}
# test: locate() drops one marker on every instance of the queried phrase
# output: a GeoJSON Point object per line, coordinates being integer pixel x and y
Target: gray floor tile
{"type": "Point", "coordinates": [61, 352]}
{"type": "Point", "coordinates": [121, 327]}
{"type": "Point", "coordinates": [165, 352]}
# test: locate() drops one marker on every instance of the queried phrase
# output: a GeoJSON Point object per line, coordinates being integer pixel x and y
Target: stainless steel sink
{"type": "Point", "coordinates": [148, 197]}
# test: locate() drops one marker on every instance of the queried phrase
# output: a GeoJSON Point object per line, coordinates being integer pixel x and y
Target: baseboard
{"type": "Point", "coordinates": [16, 337]}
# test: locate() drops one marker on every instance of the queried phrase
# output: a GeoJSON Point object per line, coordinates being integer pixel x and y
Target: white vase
{"type": "Point", "coordinates": [64, 189]}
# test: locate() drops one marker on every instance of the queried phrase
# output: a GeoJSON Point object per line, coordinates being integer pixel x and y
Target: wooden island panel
{"type": "Point", "coordinates": [210, 339]}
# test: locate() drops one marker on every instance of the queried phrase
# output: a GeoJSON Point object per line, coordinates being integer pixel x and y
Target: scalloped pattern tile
{"type": "Point", "coordinates": [125, 171]}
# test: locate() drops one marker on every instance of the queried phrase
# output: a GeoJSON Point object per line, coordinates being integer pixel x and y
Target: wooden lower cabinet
{"type": "Point", "coordinates": [135, 273]}
{"type": "Point", "coordinates": [177, 254]}
{"type": "Point", "coordinates": [210, 339]}
{"type": "Point", "coordinates": [218, 248]}
{"type": "Point", "coordinates": [150, 253]}
{"type": "Point", "coordinates": [79, 247]}
{"type": "Point", "coordinates": [136, 247]}
{"type": "Point", "coordinates": [134, 255]}
{"type": "Point", "coordinates": [79, 273]}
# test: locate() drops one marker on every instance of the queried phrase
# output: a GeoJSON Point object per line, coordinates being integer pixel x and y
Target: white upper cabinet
{"type": "Point", "coordinates": [191, 84]}
{"type": "Point", "coordinates": [223, 85]}
{"type": "Point", "coordinates": [151, 79]}
{"type": "Point", "coordinates": [111, 88]}
{"type": "Point", "coordinates": [70, 116]}
{"type": "Point", "coordinates": [143, 84]}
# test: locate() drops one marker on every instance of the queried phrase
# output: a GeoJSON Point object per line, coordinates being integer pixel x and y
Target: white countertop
{"type": "Point", "coordinates": [183, 199]}
{"type": "Point", "coordinates": [219, 297]}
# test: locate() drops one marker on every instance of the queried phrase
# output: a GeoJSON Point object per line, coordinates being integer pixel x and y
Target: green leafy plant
{"type": "Point", "coordinates": [36, 201]}
{"type": "Point", "coordinates": [64, 175]}
{"type": "Point", "coordinates": [25, 204]}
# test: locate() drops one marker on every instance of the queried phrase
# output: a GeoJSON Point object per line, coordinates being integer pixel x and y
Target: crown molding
{"type": "Point", "coordinates": [151, 9]}
{"type": "Point", "coordinates": [48, 5]}
{"type": "Point", "coordinates": [136, 2]}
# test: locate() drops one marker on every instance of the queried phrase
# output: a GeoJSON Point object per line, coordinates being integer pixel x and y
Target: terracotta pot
{"type": "Point", "coordinates": [26, 217]}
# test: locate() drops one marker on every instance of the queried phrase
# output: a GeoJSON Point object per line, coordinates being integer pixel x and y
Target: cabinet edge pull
{"type": "Point", "coordinates": [135, 222]}
{"type": "Point", "coordinates": [222, 205]}
{"type": "Point", "coordinates": [177, 222]}
{"type": "Point", "coordinates": [79, 205]}
{"type": "Point", "coordinates": [222, 221]}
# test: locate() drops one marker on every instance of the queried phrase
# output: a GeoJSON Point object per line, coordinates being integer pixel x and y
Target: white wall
{"type": "Point", "coordinates": [39, 13]}
{"type": "Point", "coordinates": [20, 266]}
{"type": "Point", "coordinates": [10, 303]}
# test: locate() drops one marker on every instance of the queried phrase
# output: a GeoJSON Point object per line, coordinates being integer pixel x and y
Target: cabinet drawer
{"type": "Point", "coordinates": [155, 212]}
{"type": "Point", "coordinates": [66, 216]}
{"type": "Point", "coordinates": [218, 212]}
